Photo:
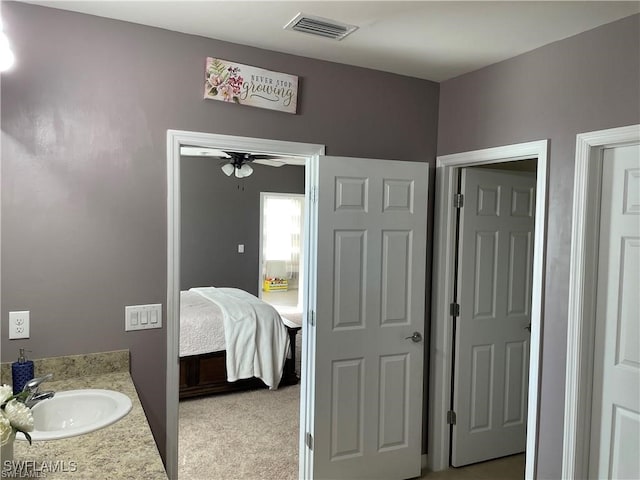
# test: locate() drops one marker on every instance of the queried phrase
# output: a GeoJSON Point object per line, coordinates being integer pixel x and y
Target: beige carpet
{"type": "Point", "coordinates": [249, 435]}
{"type": "Point", "coordinates": [254, 436]}
{"type": "Point", "coordinates": [241, 436]}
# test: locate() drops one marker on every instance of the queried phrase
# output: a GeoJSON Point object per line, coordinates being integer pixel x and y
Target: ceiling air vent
{"type": "Point", "coordinates": [320, 26]}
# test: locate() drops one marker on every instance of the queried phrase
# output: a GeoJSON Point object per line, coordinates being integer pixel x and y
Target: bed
{"type": "Point", "coordinates": [230, 340]}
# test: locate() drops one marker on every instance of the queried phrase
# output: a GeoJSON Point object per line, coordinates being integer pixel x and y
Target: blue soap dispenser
{"type": "Point", "coordinates": [22, 372]}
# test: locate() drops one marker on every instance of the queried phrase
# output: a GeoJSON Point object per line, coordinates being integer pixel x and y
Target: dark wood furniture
{"type": "Point", "coordinates": [206, 374]}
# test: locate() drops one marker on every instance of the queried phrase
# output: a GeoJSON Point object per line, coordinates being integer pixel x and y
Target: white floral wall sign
{"type": "Point", "coordinates": [246, 85]}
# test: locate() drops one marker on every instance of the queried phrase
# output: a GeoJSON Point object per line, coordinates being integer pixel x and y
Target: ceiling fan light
{"type": "Point", "coordinates": [228, 169]}
{"type": "Point", "coordinates": [244, 171]}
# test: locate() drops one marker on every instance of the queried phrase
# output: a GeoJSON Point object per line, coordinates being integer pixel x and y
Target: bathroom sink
{"type": "Point", "coordinates": [76, 412]}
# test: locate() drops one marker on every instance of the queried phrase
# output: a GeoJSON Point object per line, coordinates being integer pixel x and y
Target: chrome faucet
{"type": "Point", "coordinates": [33, 393]}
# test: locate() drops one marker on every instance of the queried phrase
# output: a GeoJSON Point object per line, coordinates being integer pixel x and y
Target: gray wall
{"type": "Point", "coordinates": [84, 118]}
{"type": "Point", "coordinates": [584, 83]}
{"type": "Point", "coordinates": [220, 212]}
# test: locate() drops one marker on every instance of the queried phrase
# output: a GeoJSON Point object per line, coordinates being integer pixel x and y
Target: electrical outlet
{"type": "Point", "coordinates": [18, 325]}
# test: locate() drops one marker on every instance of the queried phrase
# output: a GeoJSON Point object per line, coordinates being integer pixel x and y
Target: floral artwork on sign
{"type": "Point", "coordinates": [232, 82]}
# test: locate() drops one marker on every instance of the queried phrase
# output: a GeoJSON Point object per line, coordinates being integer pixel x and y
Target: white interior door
{"type": "Point", "coordinates": [370, 297]}
{"type": "Point", "coordinates": [495, 255]}
{"type": "Point", "coordinates": [615, 426]}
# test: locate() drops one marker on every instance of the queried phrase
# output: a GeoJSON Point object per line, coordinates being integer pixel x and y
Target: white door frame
{"type": "Point", "coordinates": [582, 292]}
{"type": "Point", "coordinates": [443, 285]}
{"type": "Point", "coordinates": [175, 139]}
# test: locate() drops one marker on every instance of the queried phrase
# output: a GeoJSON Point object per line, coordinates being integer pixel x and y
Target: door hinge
{"type": "Point", "coordinates": [454, 309]}
{"type": "Point", "coordinates": [314, 194]}
{"type": "Point", "coordinates": [451, 417]}
{"type": "Point", "coordinates": [311, 318]}
{"type": "Point", "coordinates": [309, 441]}
{"type": "Point", "coordinates": [458, 200]}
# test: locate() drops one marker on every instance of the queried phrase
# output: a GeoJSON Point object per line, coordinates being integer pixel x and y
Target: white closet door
{"type": "Point", "coordinates": [495, 258]}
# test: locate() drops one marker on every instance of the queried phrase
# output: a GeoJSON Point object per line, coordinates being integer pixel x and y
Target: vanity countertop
{"type": "Point", "coordinates": [123, 450]}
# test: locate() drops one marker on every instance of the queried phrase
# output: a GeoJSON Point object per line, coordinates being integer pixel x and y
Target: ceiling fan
{"type": "Point", "coordinates": [237, 163]}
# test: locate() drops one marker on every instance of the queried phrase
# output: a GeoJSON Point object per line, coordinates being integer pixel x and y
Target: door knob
{"type": "Point", "coordinates": [528, 327]}
{"type": "Point", "coordinates": [416, 337]}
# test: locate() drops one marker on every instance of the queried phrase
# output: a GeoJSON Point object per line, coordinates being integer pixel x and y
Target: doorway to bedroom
{"type": "Point", "coordinates": [253, 432]}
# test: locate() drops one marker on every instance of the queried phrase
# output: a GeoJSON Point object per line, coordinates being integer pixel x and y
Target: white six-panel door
{"type": "Point", "coordinates": [492, 331]}
{"type": "Point", "coordinates": [615, 427]}
{"type": "Point", "coordinates": [371, 254]}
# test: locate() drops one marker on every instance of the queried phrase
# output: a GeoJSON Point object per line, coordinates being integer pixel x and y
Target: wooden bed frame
{"type": "Point", "coordinates": [206, 374]}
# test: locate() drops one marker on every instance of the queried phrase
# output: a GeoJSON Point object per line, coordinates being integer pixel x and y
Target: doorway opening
{"type": "Point", "coordinates": [585, 363]}
{"type": "Point", "coordinates": [445, 285]}
{"type": "Point", "coordinates": [398, 249]}
{"type": "Point", "coordinates": [175, 140]}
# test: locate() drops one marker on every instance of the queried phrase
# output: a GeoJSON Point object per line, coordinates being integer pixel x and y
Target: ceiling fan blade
{"type": "Point", "coordinates": [287, 160]}
{"type": "Point", "coordinates": [268, 161]}
{"type": "Point", "coordinates": [203, 152]}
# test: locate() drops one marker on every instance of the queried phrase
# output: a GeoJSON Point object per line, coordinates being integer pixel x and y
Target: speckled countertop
{"type": "Point", "coordinates": [123, 450]}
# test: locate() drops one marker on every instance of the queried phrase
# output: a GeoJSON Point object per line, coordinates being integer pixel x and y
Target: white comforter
{"type": "Point", "coordinates": [256, 340]}
{"type": "Point", "coordinates": [201, 325]}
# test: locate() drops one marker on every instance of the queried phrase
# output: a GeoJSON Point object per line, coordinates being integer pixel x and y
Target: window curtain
{"type": "Point", "coordinates": [282, 233]}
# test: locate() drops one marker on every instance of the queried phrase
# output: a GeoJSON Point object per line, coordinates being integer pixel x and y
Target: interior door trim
{"type": "Point", "coordinates": [175, 139]}
{"type": "Point", "coordinates": [443, 285]}
{"type": "Point", "coordinates": [582, 292]}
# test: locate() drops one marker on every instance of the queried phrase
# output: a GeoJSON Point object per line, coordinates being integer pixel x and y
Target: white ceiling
{"type": "Point", "coordinates": [424, 39]}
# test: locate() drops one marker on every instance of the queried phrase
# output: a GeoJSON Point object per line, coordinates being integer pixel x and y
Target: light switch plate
{"type": "Point", "coordinates": [18, 325]}
{"type": "Point", "coordinates": [142, 317]}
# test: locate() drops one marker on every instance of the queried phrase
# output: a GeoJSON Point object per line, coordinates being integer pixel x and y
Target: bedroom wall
{"type": "Point", "coordinates": [84, 117]}
{"type": "Point", "coordinates": [584, 83]}
{"type": "Point", "coordinates": [216, 216]}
